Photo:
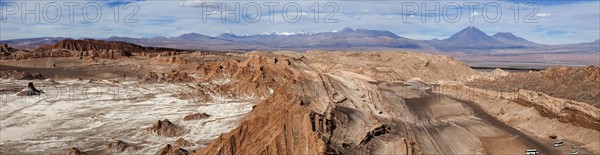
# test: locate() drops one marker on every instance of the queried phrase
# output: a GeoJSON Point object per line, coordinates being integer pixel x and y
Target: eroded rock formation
{"type": "Point", "coordinates": [99, 45]}
{"type": "Point", "coordinates": [6, 51]}
{"type": "Point", "coordinates": [308, 110]}
{"type": "Point", "coordinates": [183, 143]}
{"type": "Point", "coordinates": [120, 146]}
{"type": "Point", "coordinates": [164, 128]}
{"type": "Point", "coordinates": [83, 49]}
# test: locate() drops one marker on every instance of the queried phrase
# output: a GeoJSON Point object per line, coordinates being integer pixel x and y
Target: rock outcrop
{"type": "Point", "coordinates": [195, 116]}
{"type": "Point", "coordinates": [30, 91]}
{"type": "Point", "coordinates": [176, 77]}
{"type": "Point", "coordinates": [170, 150]}
{"type": "Point", "coordinates": [120, 146]}
{"type": "Point", "coordinates": [578, 113]}
{"type": "Point", "coordinates": [75, 151]}
{"type": "Point", "coordinates": [164, 128]}
{"type": "Point", "coordinates": [99, 45]}
{"type": "Point", "coordinates": [88, 48]}
{"type": "Point", "coordinates": [6, 51]}
{"type": "Point", "coordinates": [183, 143]}
{"type": "Point", "coordinates": [91, 54]}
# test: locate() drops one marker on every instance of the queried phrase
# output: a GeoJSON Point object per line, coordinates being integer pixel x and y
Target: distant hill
{"type": "Point", "coordinates": [471, 37]}
{"type": "Point", "coordinates": [345, 38]}
{"type": "Point", "coordinates": [593, 43]}
{"type": "Point", "coordinates": [185, 41]}
{"type": "Point", "coordinates": [509, 38]}
{"type": "Point", "coordinates": [31, 43]}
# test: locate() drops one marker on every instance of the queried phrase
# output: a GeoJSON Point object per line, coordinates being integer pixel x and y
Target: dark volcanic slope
{"type": "Point", "coordinates": [470, 36]}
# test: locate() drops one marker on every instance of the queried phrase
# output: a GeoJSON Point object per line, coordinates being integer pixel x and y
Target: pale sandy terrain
{"type": "Point", "coordinates": [88, 116]}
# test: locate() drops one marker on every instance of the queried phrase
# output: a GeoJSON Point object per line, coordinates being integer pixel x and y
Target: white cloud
{"type": "Point", "coordinates": [542, 15]}
{"type": "Point", "coordinates": [474, 14]}
{"type": "Point", "coordinates": [191, 3]}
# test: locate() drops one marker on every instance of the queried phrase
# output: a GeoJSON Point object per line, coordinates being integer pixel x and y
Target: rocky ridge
{"type": "Point", "coordinates": [575, 83]}
{"type": "Point", "coordinates": [86, 48]}
{"type": "Point", "coordinates": [315, 108]}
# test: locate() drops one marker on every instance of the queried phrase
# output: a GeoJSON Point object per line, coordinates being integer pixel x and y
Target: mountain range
{"type": "Point", "coordinates": [348, 38]}
{"type": "Point", "coordinates": [468, 41]}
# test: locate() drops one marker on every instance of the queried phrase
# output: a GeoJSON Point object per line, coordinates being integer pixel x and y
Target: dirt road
{"type": "Point", "coordinates": [499, 124]}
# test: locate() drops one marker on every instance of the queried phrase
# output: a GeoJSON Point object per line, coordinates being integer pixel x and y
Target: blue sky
{"type": "Point", "coordinates": [549, 21]}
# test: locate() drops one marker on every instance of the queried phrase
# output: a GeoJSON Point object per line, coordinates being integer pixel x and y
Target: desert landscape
{"type": "Point", "coordinates": [91, 96]}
